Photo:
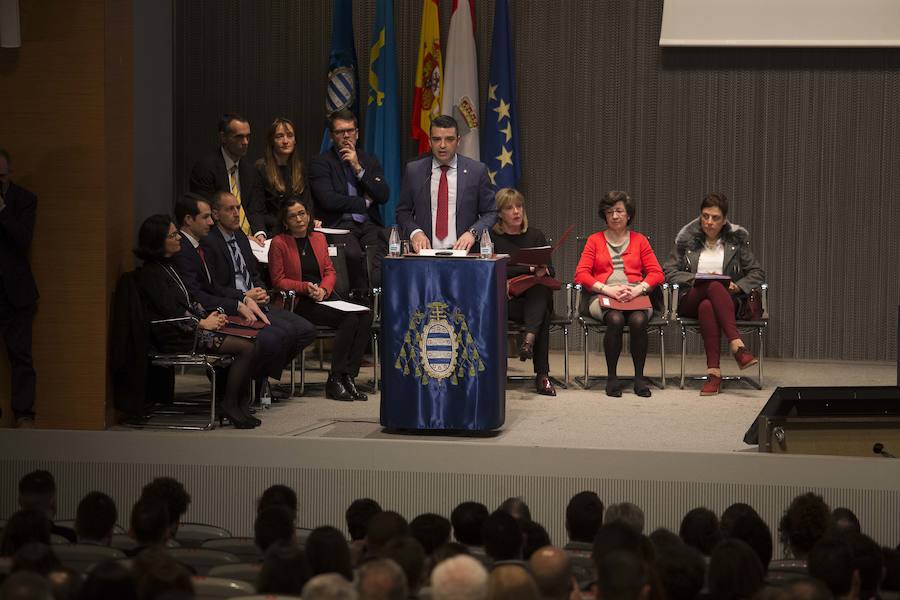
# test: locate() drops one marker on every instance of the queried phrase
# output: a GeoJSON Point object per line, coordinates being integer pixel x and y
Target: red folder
{"type": "Point", "coordinates": [522, 283]}
{"type": "Point", "coordinates": [639, 303]}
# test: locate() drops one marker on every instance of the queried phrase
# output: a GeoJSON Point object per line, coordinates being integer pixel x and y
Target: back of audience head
{"type": "Point", "coordinates": [35, 557]}
{"type": "Point", "coordinates": [516, 507]}
{"type": "Point", "coordinates": [751, 529]}
{"type": "Point", "coordinates": [584, 516]}
{"type": "Point", "coordinates": [23, 527]}
{"type": "Point", "coordinates": [37, 491]}
{"type": "Point", "coordinates": [534, 537]}
{"type": "Point", "coordinates": [26, 585]}
{"type": "Point", "coordinates": [681, 569]}
{"type": "Point", "coordinates": [731, 514]}
{"type": "Point", "coordinates": [381, 579]}
{"type": "Point", "coordinates": [845, 519]}
{"type": "Point", "coordinates": [448, 551]}
{"type": "Point", "coordinates": [66, 583]}
{"type": "Point", "coordinates": [804, 522]}
{"type": "Point", "coordinates": [278, 495]}
{"type": "Point", "coordinates": [628, 513]}
{"type": "Point", "coordinates": [358, 515]}
{"type": "Point", "coordinates": [459, 578]}
{"type": "Point", "coordinates": [273, 524]}
{"type": "Point", "coordinates": [285, 570]}
{"type": "Point", "coordinates": [172, 492]}
{"type": "Point", "coordinates": [158, 574]}
{"type": "Point", "coordinates": [808, 588]}
{"type": "Point", "coordinates": [384, 527]}
{"type": "Point", "coordinates": [95, 519]}
{"type": "Point", "coordinates": [735, 571]}
{"type": "Point", "coordinates": [832, 562]}
{"type": "Point", "coordinates": [891, 559]}
{"type": "Point", "coordinates": [110, 580]}
{"type": "Point", "coordinates": [623, 576]}
{"type": "Point", "coordinates": [328, 552]}
{"type": "Point", "coordinates": [328, 586]}
{"type": "Point", "coordinates": [551, 569]}
{"type": "Point", "coordinates": [150, 524]}
{"type": "Point", "coordinates": [700, 529]}
{"type": "Point", "coordinates": [502, 537]}
{"type": "Point", "coordinates": [407, 552]}
{"type": "Point", "coordinates": [432, 531]}
{"type": "Point", "coordinates": [467, 520]}
{"type": "Point", "coordinates": [617, 537]}
{"type": "Point", "coordinates": [869, 562]}
{"type": "Point", "coordinates": [511, 582]}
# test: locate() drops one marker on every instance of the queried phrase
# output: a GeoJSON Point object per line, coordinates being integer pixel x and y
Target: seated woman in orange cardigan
{"type": "Point", "coordinates": [619, 264]}
{"type": "Point", "coordinates": [299, 261]}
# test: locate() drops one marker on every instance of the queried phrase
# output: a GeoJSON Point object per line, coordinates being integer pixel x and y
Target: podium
{"type": "Point", "coordinates": [443, 364]}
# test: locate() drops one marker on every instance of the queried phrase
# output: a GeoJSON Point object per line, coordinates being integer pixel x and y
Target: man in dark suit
{"type": "Point", "coordinates": [234, 269]}
{"type": "Point", "coordinates": [275, 346]}
{"type": "Point", "coordinates": [18, 292]}
{"type": "Point", "coordinates": [348, 187]}
{"type": "Point", "coordinates": [446, 200]}
{"type": "Point", "coordinates": [228, 169]}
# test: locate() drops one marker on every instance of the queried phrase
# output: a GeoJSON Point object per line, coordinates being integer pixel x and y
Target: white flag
{"type": "Point", "coordinates": [461, 77]}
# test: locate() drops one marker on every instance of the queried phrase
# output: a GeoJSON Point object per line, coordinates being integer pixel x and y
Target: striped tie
{"type": "Point", "coordinates": [240, 267]}
{"type": "Point", "coordinates": [236, 192]}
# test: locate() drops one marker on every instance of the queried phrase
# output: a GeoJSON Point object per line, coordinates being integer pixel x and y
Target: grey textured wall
{"type": "Point", "coordinates": [802, 141]}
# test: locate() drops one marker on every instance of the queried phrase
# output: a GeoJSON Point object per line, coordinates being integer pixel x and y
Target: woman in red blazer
{"type": "Point", "coordinates": [299, 261]}
{"type": "Point", "coordinates": [618, 263]}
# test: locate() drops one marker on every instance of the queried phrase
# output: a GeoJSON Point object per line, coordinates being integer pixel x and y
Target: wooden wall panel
{"type": "Point", "coordinates": [66, 121]}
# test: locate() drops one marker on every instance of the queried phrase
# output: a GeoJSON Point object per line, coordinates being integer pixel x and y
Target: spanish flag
{"type": "Point", "coordinates": [429, 74]}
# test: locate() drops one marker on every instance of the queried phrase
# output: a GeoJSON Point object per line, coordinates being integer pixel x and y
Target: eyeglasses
{"type": "Point", "coordinates": [174, 235]}
{"type": "Point", "coordinates": [298, 215]}
{"type": "Point", "coordinates": [340, 132]}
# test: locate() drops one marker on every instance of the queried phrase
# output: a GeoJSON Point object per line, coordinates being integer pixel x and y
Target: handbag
{"type": "Point", "coordinates": [751, 309]}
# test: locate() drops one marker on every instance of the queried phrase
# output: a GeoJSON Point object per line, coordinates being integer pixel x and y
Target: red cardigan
{"type": "Point", "coordinates": [284, 263]}
{"type": "Point", "coordinates": [638, 260]}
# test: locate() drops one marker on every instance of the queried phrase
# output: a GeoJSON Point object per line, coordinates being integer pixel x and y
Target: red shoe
{"type": "Point", "coordinates": [711, 386]}
{"type": "Point", "coordinates": [744, 358]}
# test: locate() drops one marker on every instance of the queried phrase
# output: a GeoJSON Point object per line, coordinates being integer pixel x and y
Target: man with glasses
{"type": "Point", "coordinates": [348, 186]}
{"type": "Point", "coordinates": [18, 291]}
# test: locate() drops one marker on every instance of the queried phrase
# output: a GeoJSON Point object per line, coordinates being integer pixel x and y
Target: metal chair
{"type": "Point", "coordinates": [248, 572]}
{"type": "Point", "coordinates": [211, 588]}
{"type": "Point", "coordinates": [81, 557]}
{"type": "Point", "coordinates": [192, 535]}
{"type": "Point", "coordinates": [557, 323]}
{"type": "Point", "coordinates": [659, 298]}
{"type": "Point", "coordinates": [201, 560]}
{"type": "Point", "coordinates": [244, 548]}
{"type": "Point", "coordinates": [689, 325]}
{"type": "Point", "coordinates": [70, 523]}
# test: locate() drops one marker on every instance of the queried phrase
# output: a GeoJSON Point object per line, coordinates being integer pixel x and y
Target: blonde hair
{"type": "Point", "coordinates": [505, 197]}
{"type": "Point", "coordinates": [269, 164]}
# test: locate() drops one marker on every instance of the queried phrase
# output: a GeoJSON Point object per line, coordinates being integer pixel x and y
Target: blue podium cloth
{"type": "Point", "coordinates": [444, 343]}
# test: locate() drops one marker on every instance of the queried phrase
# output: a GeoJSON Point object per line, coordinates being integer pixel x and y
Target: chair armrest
{"type": "Point", "coordinates": [569, 288]}
{"type": "Point", "coordinates": [576, 299]}
{"type": "Point", "coordinates": [665, 293]}
{"type": "Point", "coordinates": [184, 320]}
{"type": "Point", "coordinates": [674, 303]}
{"type": "Point", "coordinates": [764, 292]}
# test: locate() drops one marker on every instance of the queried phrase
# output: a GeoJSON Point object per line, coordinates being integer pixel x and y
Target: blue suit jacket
{"type": "Point", "coordinates": [201, 288]}
{"type": "Point", "coordinates": [475, 204]}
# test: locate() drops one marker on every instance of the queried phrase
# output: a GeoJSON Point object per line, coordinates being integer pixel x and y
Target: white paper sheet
{"type": "Point", "coordinates": [344, 306]}
{"type": "Point", "coordinates": [332, 231]}
{"type": "Point", "coordinates": [261, 252]}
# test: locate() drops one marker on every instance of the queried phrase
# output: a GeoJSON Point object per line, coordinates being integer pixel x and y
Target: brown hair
{"type": "Point", "coordinates": [505, 197]}
{"type": "Point", "coordinates": [715, 200]}
{"type": "Point", "coordinates": [612, 198]}
{"type": "Point", "coordinates": [269, 164]}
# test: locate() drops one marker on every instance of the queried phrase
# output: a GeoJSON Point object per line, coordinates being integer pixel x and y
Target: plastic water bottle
{"type": "Point", "coordinates": [487, 247]}
{"type": "Point", "coordinates": [394, 242]}
{"type": "Point", "coordinates": [265, 397]}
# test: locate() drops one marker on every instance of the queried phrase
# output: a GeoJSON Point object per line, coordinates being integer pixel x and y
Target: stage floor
{"type": "Point", "coordinates": [671, 420]}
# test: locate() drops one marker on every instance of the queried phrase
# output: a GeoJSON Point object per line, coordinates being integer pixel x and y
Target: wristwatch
{"type": "Point", "coordinates": [473, 232]}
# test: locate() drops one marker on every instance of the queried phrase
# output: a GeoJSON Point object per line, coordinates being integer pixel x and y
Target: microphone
{"type": "Point", "coordinates": [878, 448]}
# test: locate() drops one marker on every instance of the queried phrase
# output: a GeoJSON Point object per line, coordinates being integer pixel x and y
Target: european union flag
{"type": "Point", "coordinates": [382, 136]}
{"type": "Point", "coordinates": [343, 78]}
{"type": "Point", "coordinates": [500, 141]}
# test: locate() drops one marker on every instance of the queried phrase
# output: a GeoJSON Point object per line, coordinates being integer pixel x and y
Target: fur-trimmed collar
{"type": "Point", "coordinates": [691, 235]}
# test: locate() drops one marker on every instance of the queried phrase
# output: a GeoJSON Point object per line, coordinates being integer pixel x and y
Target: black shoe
{"type": "Point", "coordinates": [613, 388]}
{"type": "Point", "coordinates": [544, 386]}
{"type": "Point", "coordinates": [236, 417]}
{"type": "Point", "coordinates": [526, 351]}
{"type": "Point", "coordinates": [335, 390]}
{"type": "Point", "coordinates": [642, 387]}
{"type": "Point", "coordinates": [350, 386]}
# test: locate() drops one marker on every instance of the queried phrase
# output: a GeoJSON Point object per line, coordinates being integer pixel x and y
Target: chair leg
{"type": "Point", "coordinates": [212, 396]}
{"type": "Point", "coordinates": [303, 372]}
{"type": "Point", "coordinates": [662, 357]}
{"type": "Point", "coordinates": [566, 355]}
{"type": "Point", "coordinates": [683, 352]}
{"type": "Point", "coordinates": [587, 376]}
{"type": "Point", "coordinates": [375, 358]}
{"type": "Point", "coordinates": [759, 335]}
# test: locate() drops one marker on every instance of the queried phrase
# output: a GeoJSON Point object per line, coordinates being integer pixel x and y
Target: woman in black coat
{"type": "Point", "coordinates": [164, 296]}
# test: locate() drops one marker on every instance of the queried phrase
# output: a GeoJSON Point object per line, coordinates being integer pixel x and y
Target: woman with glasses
{"type": "Point", "coordinates": [619, 264]}
{"type": "Point", "coordinates": [279, 173]}
{"type": "Point", "coordinates": [299, 262]}
{"type": "Point", "coordinates": [164, 296]}
{"type": "Point", "coordinates": [711, 244]}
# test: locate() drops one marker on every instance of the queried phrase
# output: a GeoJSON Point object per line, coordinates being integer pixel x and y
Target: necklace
{"type": "Point", "coordinates": [711, 245]}
{"type": "Point", "coordinates": [305, 246]}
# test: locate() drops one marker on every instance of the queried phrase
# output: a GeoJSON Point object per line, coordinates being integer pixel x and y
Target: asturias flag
{"type": "Point", "coordinates": [343, 81]}
{"type": "Point", "coordinates": [500, 143]}
{"type": "Point", "coordinates": [382, 135]}
{"type": "Point", "coordinates": [429, 74]}
{"type": "Point", "coordinates": [460, 98]}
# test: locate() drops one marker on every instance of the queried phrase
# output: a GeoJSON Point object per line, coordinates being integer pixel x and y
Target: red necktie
{"type": "Point", "coordinates": [202, 255]}
{"type": "Point", "coordinates": [440, 222]}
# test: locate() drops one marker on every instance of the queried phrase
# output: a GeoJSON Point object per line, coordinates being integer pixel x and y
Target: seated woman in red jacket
{"type": "Point", "coordinates": [619, 264]}
{"type": "Point", "coordinates": [299, 261]}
